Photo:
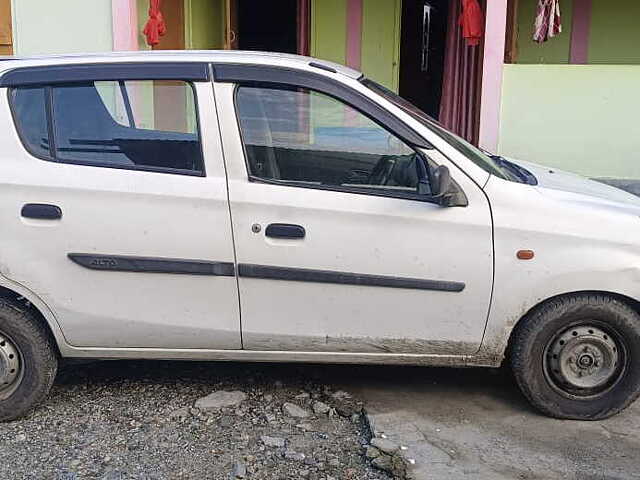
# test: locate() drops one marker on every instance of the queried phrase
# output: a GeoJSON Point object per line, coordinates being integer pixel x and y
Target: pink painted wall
{"type": "Point", "coordinates": [124, 24]}
{"type": "Point", "coordinates": [354, 33]}
{"type": "Point", "coordinates": [492, 70]}
{"type": "Point", "coordinates": [580, 27]}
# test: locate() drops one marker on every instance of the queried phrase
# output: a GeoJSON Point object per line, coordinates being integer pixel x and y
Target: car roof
{"type": "Point", "coordinates": [210, 56]}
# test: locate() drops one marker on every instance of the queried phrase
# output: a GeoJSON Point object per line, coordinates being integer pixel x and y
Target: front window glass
{"type": "Point", "coordinates": [471, 152]}
{"type": "Point", "coordinates": [304, 137]}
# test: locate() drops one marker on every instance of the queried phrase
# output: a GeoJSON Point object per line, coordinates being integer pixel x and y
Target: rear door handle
{"type": "Point", "coordinates": [41, 211]}
{"type": "Point", "coordinates": [285, 230]}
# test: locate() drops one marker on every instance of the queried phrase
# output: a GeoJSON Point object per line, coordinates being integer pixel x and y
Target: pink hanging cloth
{"type": "Point", "coordinates": [472, 22]}
{"type": "Point", "coordinates": [548, 21]}
{"type": "Point", "coordinates": [155, 27]}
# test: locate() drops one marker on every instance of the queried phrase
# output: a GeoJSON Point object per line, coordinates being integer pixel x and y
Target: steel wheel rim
{"type": "Point", "coordinates": [585, 360]}
{"type": "Point", "coordinates": [11, 366]}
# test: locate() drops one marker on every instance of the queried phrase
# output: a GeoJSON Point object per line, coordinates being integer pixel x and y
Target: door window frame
{"type": "Point", "coordinates": [278, 77]}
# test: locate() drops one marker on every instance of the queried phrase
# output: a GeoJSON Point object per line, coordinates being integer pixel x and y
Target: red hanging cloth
{"type": "Point", "coordinates": [155, 27]}
{"type": "Point", "coordinates": [472, 22]}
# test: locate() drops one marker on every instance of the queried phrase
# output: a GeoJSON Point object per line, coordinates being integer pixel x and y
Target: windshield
{"type": "Point", "coordinates": [474, 154]}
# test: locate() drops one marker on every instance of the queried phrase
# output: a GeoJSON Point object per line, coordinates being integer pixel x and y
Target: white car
{"type": "Point", "coordinates": [264, 207]}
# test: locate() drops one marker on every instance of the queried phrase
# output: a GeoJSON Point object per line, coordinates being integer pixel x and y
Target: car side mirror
{"type": "Point", "coordinates": [441, 184]}
{"type": "Point", "coordinates": [444, 190]}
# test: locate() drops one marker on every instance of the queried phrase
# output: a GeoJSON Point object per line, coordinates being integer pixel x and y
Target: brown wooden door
{"type": "Point", "coordinates": [173, 13]}
{"type": "Point", "coordinates": [6, 39]}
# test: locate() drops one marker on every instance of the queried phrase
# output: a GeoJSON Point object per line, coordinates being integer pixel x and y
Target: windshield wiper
{"type": "Point", "coordinates": [515, 171]}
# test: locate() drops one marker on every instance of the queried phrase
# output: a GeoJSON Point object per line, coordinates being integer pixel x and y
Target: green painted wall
{"type": "Point", "coordinates": [42, 27]}
{"type": "Point", "coordinates": [204, 29]}
{"type": "Point", "coordinates": [380, 36]}
{"type": "Point", "coordinates": [581, 118]}
{"type": "Point", "coordinates": [554, 51]}
{"type": "Point", "coordinates": [615, 32]}
{"type": "Point", "coordinates": [381, 41]}
{"type": "Point", "coordinates": [328, 30]}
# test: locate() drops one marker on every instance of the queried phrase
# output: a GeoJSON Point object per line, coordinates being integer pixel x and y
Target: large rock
{"type": "Point", "coordinates": [320, 408]}
{"type": "Point", "coordinates": [383, 462]}
{"type": "Point", "coordinates": [294, 410]}
{"type": "Point", "coordinates": [384, 445]}
{"type": "Point", "coordinates": [221, 399]}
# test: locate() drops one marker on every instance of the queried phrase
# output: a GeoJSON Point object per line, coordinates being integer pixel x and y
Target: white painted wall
{"type": "Point", "coordinates": [61, 26]}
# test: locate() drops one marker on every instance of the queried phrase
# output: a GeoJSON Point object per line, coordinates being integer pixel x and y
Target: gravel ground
{"type": "Point", "coordinates": [137, 420]}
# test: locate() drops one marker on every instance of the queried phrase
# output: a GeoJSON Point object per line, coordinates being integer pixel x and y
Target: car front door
{"type": "Point", "coordinates": [115, 212]}
{"type": "Point", "coordinates": [336, 250]}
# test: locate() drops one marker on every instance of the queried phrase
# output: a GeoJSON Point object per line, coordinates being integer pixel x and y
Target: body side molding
{"type": "Point", "coordinates": [124, 263]}
{"type": "Point", "coordinates": [345, 278]}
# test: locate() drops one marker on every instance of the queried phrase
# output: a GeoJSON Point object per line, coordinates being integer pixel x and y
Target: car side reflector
{"type": "Point", "coordinates": [525, 254]}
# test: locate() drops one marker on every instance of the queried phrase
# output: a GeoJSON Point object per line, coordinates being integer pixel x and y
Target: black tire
{"type": "Point", "coordinates": [38, 360]}
{"type": "Point", "coordinates": [552, 391]}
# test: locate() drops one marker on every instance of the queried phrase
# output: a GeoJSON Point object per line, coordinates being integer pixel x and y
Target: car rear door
{"type": "Point", "coordinates": [114, 208]}
{"type": "Point", "coordinates": [336, 250]}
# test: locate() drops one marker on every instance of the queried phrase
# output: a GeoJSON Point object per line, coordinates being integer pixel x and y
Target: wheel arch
{"type": "Point", "coordinates": [25, 299]}
{"type": "Point", "coordinates": [627, 300]}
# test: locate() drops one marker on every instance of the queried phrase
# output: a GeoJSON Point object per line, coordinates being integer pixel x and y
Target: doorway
{"type": "Point", "coordinates": [422, 52]}
{"type": "Point", "coordinates": [266, 26]}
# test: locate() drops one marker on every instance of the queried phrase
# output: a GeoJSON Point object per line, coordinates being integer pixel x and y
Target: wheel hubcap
{"type": "Point", "coordinates": [10, 366]}
{"type": "Point", "coordinates": [584, 360]}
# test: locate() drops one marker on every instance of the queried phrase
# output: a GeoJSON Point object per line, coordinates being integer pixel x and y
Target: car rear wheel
{"type": "Point", "coordinates": [28, 361]}
{"type": "Point", "coordinates": [578, 357]}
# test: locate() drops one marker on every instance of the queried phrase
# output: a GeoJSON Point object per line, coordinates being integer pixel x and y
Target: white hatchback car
{"type": "Point", "coordinates": [265, 207]}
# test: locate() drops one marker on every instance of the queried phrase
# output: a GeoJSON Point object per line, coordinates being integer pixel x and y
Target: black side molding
{"type": "Point", "coordinates": [345, 278]}
{"type": "Point", "coordinates": [47, 75]}
{"type": "Point", "coordinates": [41, 211]}
{"type": "Point", "coordinates": [123, 263]}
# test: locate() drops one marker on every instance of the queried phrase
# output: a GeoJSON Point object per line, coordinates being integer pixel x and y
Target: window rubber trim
{"type": "Point", "coordinates": [73, 73]}
{"type": "Point", "coordinates": [260, 75]}
{"type": "Point", "coordinates": [354, 190]}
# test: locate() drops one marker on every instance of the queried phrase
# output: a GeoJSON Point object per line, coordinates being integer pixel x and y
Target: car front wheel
{"type": "Point", "coordinates": [28, 361]}
{"type": "Point", "coordinates": [578, 357]}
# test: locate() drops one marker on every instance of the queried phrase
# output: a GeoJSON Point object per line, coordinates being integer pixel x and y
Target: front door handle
{"type": "Point", "coordinates": [41, 211]}
{"type": "Point", "coordinates": [285, 230]}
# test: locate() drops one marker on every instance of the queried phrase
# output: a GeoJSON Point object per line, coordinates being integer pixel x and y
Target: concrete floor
{"type": "Point", "coordinates": [474, 424]}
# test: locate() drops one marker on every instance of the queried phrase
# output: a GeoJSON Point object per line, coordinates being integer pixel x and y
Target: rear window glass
{"type": "Point", "coordinates": [31, 117]}
{"type": "Point", "coordinates": [149, 125]}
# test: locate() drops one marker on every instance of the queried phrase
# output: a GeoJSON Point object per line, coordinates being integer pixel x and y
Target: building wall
{"type": "Point", "coordinates": [615, 32]}
{"type": "Point", "coordinates": [555, 50]}
{"type": "Point", "coordinates": [204, 24]}
{"type": "Point", "coordinates": [579, 118]}
{"type": "Point", "coordinates": [378, 44]}
{"type": "Point", "coordinates": [42, 27]}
